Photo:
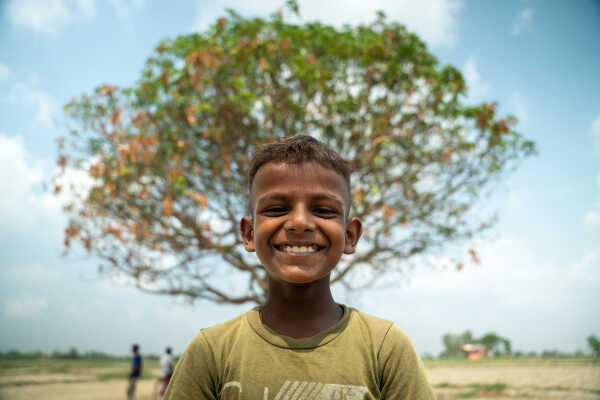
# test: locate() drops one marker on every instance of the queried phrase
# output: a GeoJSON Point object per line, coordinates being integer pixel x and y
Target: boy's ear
{"type": "Point", "coordinates": [247, 231]}
{"type": "Point", "coordinates": [353, 232]}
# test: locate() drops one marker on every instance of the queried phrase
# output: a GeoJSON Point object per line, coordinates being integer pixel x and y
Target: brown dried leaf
{"type": "Point", "coordinates": [115, 117]}
{"type": "Point", "coordinates": [97, 170]}
{"type": "Point", "coordinates": [167, 204]}
{"type": "Point", "coordinates": [197, 197]}
{"type": "Point", "coordinates": [474, 256]}
{"type": "Point", "coordinates": [107, 90]}
{"type": "Point", "coordinates": [62, 162]}
{"type": "Point", "coordinates": [189, 114]}
{"type": "Point", "coordinates": [388, 212]}
{"type": "Point", "coordinates": [264, 64]}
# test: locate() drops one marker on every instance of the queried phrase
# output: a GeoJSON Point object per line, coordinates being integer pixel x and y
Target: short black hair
{"type": "Point", "coordinates": [299, 149]}
{"type": "Point", "coordinates": [168, 350]}
{"type": "Point", "coordinates": [135, 347]}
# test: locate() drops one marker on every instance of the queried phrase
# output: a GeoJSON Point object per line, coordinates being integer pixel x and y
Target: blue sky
{"type": "Point", "coordinates": [539, 280]}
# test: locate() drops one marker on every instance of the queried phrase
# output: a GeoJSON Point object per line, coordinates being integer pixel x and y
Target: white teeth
{"type": "Point", "coordinates": [300, 249]}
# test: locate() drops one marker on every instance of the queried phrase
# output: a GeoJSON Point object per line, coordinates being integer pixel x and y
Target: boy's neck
{"type": "Point", "coordinates": [300, 311]}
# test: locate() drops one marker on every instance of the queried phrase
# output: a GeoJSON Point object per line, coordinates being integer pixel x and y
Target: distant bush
{"type": "Point", "coordinates": [18, 355]}
{"type": "Point", "coordinates": [71, 354]}
{"type": "Point", "coordinates": [594, 344]}
{"type": "Point", "coordinates": [556, 354]}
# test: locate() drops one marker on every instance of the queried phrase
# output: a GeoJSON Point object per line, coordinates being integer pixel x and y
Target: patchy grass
{"type": "Point", "coordinates": [445, 385]}
{"type": "Point", "coordinates": [488, 387]}
{"type": "Point", "coordinates": [52, 371]}
{"type": "Point", "coordinates": [121, 374]}
{"type": "Point", "coordinates": [111, 375]}
{"type": "Point", "coordinates": [465, 395]}
{"type": "Point", "coordinates": [476, 390]}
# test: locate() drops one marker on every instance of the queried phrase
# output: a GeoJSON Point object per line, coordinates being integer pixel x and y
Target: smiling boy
{"type": "Point", "coordinates": [300, 344]}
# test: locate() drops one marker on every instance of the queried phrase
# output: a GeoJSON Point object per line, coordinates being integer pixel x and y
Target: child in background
{"type": "Point", "coordinates": [136, 371]}
{"type": "Point", "coordinates": [166, 369]}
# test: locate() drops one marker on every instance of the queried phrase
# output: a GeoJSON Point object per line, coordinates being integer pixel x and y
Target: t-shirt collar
{"type": "Point", "coordinates": [320, 339]}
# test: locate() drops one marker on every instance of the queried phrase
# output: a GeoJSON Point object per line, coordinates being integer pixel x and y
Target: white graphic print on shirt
{"type": "Point", "coordinates": [302, 390]}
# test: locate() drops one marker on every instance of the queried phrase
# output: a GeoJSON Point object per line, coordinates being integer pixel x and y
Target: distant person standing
{"type": "Point", "coordinates": [166, 368]}
{"type": "Point", "coordinates": [136, 371]}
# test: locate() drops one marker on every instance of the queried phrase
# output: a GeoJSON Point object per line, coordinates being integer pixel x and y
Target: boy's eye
{"type": "Point", "coordinates": [325, 212]}
{"type": "Point", "coordinates": [275, 210]}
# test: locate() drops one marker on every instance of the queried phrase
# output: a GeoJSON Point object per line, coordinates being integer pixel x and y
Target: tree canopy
{"type": "Point", "coordinates": [168, 156]}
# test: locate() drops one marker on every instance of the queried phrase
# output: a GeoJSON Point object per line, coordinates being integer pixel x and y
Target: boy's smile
{"type": "Point", "coordinates": [299, 230]}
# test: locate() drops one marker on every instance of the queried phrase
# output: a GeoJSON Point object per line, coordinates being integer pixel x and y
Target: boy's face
{"type": "Point", "coordinates": [299, 230]}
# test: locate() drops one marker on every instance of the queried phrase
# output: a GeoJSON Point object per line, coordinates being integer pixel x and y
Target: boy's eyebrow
{"type": "Point", "coordinates": [324, 196]}
{"type": "Point", "coordinates": [283, 196]}
{"type": "Point", "coordinates": [272, 196]}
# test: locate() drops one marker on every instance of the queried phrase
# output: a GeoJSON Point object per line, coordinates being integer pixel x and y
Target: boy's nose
{"type": "Point", "coordinates": [300, 220]}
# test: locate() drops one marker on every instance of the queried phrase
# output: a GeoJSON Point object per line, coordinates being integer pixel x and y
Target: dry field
{"type": "Point", "coordinates": [489, 379]}
{"type": "Point", "coordinates": [71, 380]}
{"type": "Point", "coordinates": [515, 379]}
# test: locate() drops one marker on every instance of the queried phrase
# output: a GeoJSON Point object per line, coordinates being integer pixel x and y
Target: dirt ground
{"type": "Point", "coordinates": [114, 389]}
{"type": "Point", "coordinates": [537, 379]}
{"type": "Point", "coordinates": [513, 380]}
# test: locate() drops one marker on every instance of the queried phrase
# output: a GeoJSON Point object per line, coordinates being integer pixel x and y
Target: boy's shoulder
{"type": "Point", "coordinates": [222, 330]}
{"type": "Point", "coordinates": [370, 320]}
{"type": "Point", "coordinates": [380, 329]}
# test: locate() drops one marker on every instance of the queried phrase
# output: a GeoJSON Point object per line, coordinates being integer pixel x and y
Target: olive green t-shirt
{"type": "Point", "coordinates": [360, 357]}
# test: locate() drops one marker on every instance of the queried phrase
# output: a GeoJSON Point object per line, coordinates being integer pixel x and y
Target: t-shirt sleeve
{"type": "Point", "coordinates": [194, 376]}
{"type": "Point", "coordinates": [402, 372]}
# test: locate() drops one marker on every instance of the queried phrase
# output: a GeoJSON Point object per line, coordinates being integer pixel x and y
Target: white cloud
{"type": "Point", "coordinates": [18, 195]}
{"type": "Point", "coordinates": [24, 202]}
{"type": "Point", "coordinates": [596, 134]}
{"type": "Point", "coordinates": [435, 21]}
{"type": "Point", "coordinates": [25, 307]}
{"type": "Point", "coordinates": [515, 291]}
{"type": "Point", "coordinates": [519, 106]}
{"type": "Point", "coordinates": [591, 220]}
{"type": "Point", "coordinates": [46, 106]}
{"type": "Point", "coordinates": [519, 199]}
{"type": "Point", "coordinates": [87, 8]}
{"type": "Point", "coordinates": [4, 71]}
{"type": "Point", "coordinates": [31, 273]}
{"type": "Point", "coordinates": [477, 86]}
{"type": "Point", "coordinates": [48, 17]}
{"type": "Point", "coordinates": [522, 21]}
{"type": "Point", "coordinates": [585, 271]}
{"type": "Point", "coordinates": [123, 8]}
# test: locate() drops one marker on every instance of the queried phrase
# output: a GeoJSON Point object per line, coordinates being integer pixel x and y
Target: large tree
{"type": "Point", "coordinates": [168, 156]}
